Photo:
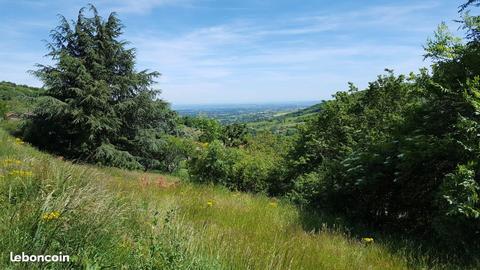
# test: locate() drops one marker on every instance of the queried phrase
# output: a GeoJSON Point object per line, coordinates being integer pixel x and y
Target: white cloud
{"type": "Point", "coordinates": [240, 61]}
{"type": "Point", "coordinates": [141, 6]}
{"type": "Point", "coordinates": [308, 56]}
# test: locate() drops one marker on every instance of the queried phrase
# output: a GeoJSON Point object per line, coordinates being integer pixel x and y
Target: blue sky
{"type": "Point", "coordinates": [244, 51]}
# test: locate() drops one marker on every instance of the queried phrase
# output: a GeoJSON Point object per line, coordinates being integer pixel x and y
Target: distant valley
{"type": "Point", "coordinates": [242, 113]}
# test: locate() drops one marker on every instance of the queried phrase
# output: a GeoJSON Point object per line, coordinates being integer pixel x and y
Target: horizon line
{"type": "Point", "coordinates": [246, 103]}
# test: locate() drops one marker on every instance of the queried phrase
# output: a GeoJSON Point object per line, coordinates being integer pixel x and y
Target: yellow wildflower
{"type": "Point", "coordinates": [202, 145]}
{"type": "Point", "coordinates": [367, 240]}
{"type": "Point", "coordinates": [8, 162]}
{"type": "Point", "coordinates": [21, 173]}
{"type": "Point", "coordinates": [51, 216]}
{"type": "Point", "coordinates": [19, 141]}
{"type": "Point", "coordinates": [210, 203]}
{"type": "Point", "coordinates": [273, 204]}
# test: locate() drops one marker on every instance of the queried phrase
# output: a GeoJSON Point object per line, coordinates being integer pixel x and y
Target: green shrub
{"type": "Point", "coordinates": [234, 135]}
{"type": "Point", "coordinates": [3, 109]}
{"type": "Point", "coordinates": [307, 189]}
{"type": "Point", "coordinates": [209, 129]}
{"type": "Point", "coordinates": [393, 156]}
{"type": "Point", "coordinates": [245, 169]}
{"type": "Point", "coordinates": [458, 212]}
{"type": "Point", "coordinates": [214, 164]}
{"type": "Point", "coordinates": [174, 152]}
{"type": "Point", "coordinates": [253, 172]}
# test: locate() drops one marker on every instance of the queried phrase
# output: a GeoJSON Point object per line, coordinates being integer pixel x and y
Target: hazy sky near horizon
{"type": "Point", "coordinates": [244, 51]}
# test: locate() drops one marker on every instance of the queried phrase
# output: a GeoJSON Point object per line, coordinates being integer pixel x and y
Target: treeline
{"type": "Point", "coordinates": [401, 154]}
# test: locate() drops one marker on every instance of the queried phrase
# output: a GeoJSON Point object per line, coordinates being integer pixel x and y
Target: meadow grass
{"type": "Point", "coordinates": [117, 219]}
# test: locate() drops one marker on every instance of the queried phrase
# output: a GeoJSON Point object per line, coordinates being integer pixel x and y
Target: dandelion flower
{"type": "Point", "coordinates": [51, 216]}
{"type": "Point", "coordinates": [18, 141]}
{"type": "Point", "coordinates": [367, 240]}
{"type": "Point", "coordinates": [210, 203]}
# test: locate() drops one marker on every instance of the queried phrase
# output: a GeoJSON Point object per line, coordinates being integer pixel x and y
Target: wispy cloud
{"type": "Point", "coordinates": [141, 6]}
{"type": "Point", "coordinates": [246, 56]}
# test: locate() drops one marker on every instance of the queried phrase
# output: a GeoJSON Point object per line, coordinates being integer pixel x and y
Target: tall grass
{"type": "Point", "coordinates": [243, 231]}
{"type": "Point", "coordinates": [48, 206]}
{"type": "Point", "coordinates": [111, 218]}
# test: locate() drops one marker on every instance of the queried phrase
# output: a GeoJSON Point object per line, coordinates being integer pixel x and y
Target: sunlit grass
{"type": "Point", "coordinates": [244, 231]}
{"type": "Point", "coordinates": [108, 217]}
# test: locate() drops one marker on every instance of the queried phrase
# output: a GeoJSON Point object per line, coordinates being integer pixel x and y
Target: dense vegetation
{"type": "Point", "coordinates": [118, 219]}
{"type": "Point", "coordinates": [400, 157]}
{"type": "Point", "coordinates": [404, 152]}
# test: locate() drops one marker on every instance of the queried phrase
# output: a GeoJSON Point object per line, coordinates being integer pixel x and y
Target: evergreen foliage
{"type": "Point", "coordinates": [97, 107]}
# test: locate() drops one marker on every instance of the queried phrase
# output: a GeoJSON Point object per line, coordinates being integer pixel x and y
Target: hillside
{"type": "Point", "coordinates": [286, 123]}
{"type": "Point", "coordinates": [163, 221]}
{"type": "Point", "coordinates": [167, 222]}
{"type": "Point", "coordinates": [241, 113]}
{"type": "Point", "coordinates": [159, 222]}
{"type": "Point", "coordinates": [17, 99]}
{"type": "Point", "coordinates": [305, 112]}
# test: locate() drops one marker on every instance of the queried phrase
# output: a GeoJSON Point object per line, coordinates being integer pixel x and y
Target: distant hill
{"type": "Point", "coordinates": [279, 118]}
{"type": "Point", "coordinates": [307, 111]}
{"type": "Point", "coordinates": [9, 91]}
{"type": "Point", "coordinates": [17, 99]}
{"type": "Point", "coordinates": [242, 113]}
{"type": "Point", "coordinates": [286, 123]}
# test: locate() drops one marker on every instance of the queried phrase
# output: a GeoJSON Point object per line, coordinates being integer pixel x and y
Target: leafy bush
{"type": "Point", "coordinates": [209, 129]}
{"type": "Point", "coordinates": [394, 154]}
{"type": "Point", "coordinates": [214, 164]}
{"type": "Point", "coordinates": [459, 209]}
{"type": "Point", "coordinates": [253, 168]}
{"type": "Point", "coordinates": [3, 109]}
{"type": "Point", "coordinates": [234, 135]}
{"type": "Point", "coordinates": [174, 152]}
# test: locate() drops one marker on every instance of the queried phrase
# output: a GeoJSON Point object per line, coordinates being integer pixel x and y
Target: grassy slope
{"type": "Point", "coordinates": [115, 218]}
{"type": "Point", "coordinates": [19, 98]}
{"type": "Point", "coordinates": [111, 217]}
{"type": "Point", "coordinates": [286, 123]}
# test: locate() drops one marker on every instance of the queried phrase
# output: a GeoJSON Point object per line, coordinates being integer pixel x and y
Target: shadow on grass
{"type": "Point", "coordinates": [423, 251]}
